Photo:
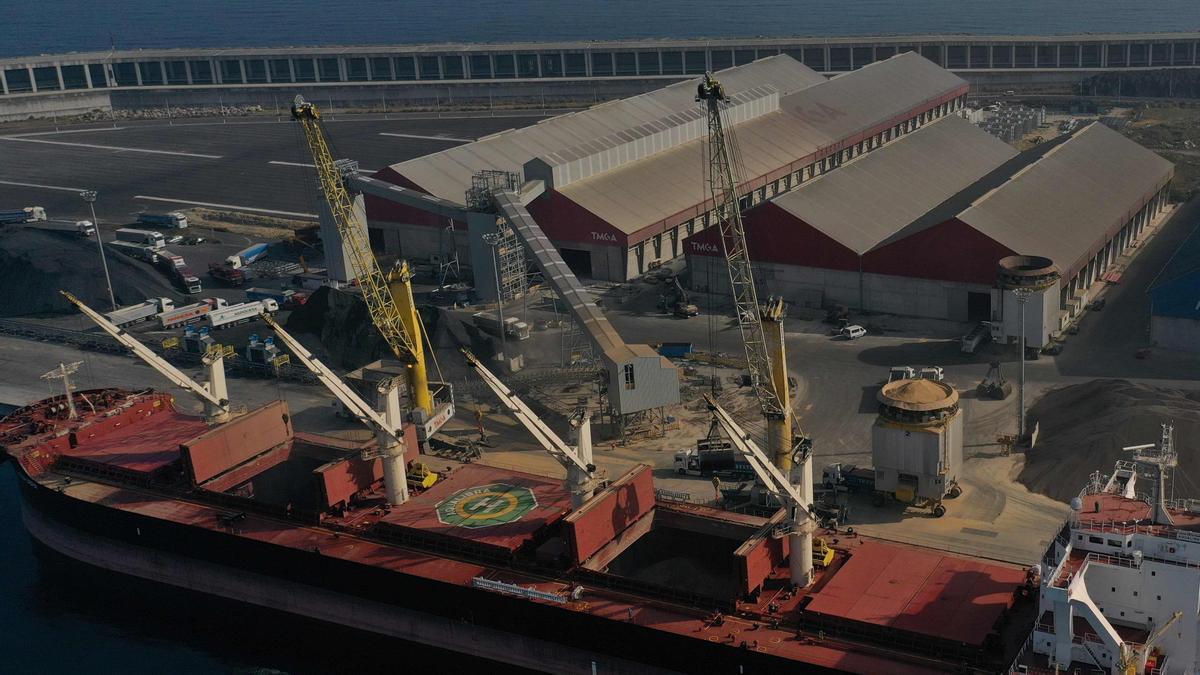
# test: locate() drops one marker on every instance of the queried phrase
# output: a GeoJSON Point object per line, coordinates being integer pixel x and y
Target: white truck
{"type": "Point", "coordinates": [181, 316]}
{"type": "Point", "coordinates": [514, 329]}
{"type": "Point", "coordinates": [135, 250]}
{"type": "Point", "coordinates": [28, 214]}
{"type": "Point", "coordinates": [82, 228]}
{"type": "Point", "coordinates": [148, 237]}
{"type": "Point", "coordinates": [145, 311]}
{"type": "Point", "coordinates": [174, 219]}
{"type": "Point", "coordinates": [233, 315]}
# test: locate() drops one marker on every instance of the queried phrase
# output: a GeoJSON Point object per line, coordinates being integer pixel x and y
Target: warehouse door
{"type": "Point", "coordinates": [979, 306]}
{"type": "Point", "coordinates": [579, 261]}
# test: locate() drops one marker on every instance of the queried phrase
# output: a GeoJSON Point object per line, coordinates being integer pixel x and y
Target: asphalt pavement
{"type": "Point", "coordinates": [258, 166]}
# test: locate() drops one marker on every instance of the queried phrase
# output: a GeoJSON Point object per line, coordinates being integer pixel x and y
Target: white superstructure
{"type": "Point", "coordinates": [1120, 584]}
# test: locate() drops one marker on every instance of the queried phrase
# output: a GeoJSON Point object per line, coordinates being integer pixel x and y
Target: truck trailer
{"type": "Point", "coordinates": [29, 214]}
{"type": "Point", "coordinates": [514, 329]}
{"type": "Point", "coordinates": [246, 256]}
{"type": "Point", "coordinates": [134, 250]}
{"type": "Point", "coordinates": [145, 311]}
{"type": "Point", "coordinates": [240, 313]}
{"type": "Point", "coordinates": [228, 275]}
{"type": "Point", "coordinates": [150, 238]}
{"type": "Point", "coordinates": [182, 316]}
{"type": "Point", "coordinates": [721, 462]}
{"type": "Point", "coordinates": [174, 220]}
{"type": "Point", "coordinates": [80, 228]}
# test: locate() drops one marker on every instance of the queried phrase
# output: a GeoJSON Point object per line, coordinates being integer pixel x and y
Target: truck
{"type": "Point", "coordinates": [233, 315]}
{"type": "Point", "coordinates": [29, 214]}
{"type": "Point", "coordinates": [81, 228]}
{"type": "Point", "coordinates": [279, 296]}
{"type": "Point", "coordinates": [848, 476]}
{"type": "Point", "coordinates": [976, 337]}
{"type": "Point", "coordinates": [721, 462]}
{"type": "Point", "coordinates": [174, 219]}
{"type": "Point", "coordinates": [145, 311]}
{"type": "Point", "coordinates": [150, 238]}
{"type": "Point", "coordinates": [182, 316]}
{"type": "Point", "coordinates": [168, 260]}
{"type": "Point", "coordinates": [224, 273]}
{"type": "Point", "coordinates": [185, 279]}
{"type": "Point", "coordinates": [514, 329]}
{"type": "Point", "coordinates": [139, 251]}
{"type": "Point", "coordinates": [246, 256]}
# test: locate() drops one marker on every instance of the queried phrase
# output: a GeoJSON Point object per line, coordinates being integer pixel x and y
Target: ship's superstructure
{"type": "Point", "coordinates": [1120, 584]}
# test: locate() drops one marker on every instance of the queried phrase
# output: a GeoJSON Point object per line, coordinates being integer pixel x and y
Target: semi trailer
{"type": "Point", "coordinates": [233, 315]}
{"type": "Point", "coordinates": [29, 214]}
{"type": "Point", "coordinates": [145, 311]}
{"type": "Point", "coordinates": [174, 220]}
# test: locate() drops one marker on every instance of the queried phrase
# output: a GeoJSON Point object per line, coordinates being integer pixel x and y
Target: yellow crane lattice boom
{"type": "Point", "coordinates": [396, 321]}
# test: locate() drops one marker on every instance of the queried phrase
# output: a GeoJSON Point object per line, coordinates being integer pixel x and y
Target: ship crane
{"type": "Point", "coordinates": [761, 327]}
{"type": "Point", "coordinates": [581, 472]}
{"type": "Point", "coordinates": [389, 296]}
{"type": "Point", "coordinates": [214, 396]}
{"type": "Point", "coordinates": [388, 427]}
{"type": "Point", "coordinates": [797, 499]}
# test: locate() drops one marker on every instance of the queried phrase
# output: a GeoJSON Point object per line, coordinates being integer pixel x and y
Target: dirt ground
{"type": "Point", "coordinates": [249, 224]}
{"type": "Point", "coordinates": [1084, 428]}
{"type": "Point", "coordinates": [1173, 132]}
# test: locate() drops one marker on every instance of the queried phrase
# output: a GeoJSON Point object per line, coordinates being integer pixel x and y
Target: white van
{"type": "Point", "coordinates": [853, 332]}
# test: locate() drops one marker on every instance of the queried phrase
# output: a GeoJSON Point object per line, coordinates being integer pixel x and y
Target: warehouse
{"type": "Point", "coordinates": [918, 227]}
{"type": "Point", "coordinates": [1175, 299]}
{"type": "Point", "coordinates": [624, 181]}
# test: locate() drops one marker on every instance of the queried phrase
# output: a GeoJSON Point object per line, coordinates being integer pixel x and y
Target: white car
{"type": "Point", "coordinates": [853, 332]}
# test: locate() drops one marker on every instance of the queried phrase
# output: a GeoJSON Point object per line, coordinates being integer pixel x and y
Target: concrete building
{"type": "Point", "coordinates": [917, 228]}
{"type": "Point", "coordinates": [1175, 299]}
{"type": "Point", "coordinates": [624, 181]}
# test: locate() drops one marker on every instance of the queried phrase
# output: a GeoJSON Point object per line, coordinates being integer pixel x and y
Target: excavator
{"type": "Point", "coordinates": [389, 296]}
{"type": "Point", "coordinates": [761, 327]}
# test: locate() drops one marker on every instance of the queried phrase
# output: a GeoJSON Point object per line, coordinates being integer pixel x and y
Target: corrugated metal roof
{"type": "Point", "coordinates": [864, 202]}
{"type": "Point", "coordinates": [1064, 205]}
{"type": "Point", "coordinates": [647, 192]}
{"type": "Point", "coordinates": [447, 174]}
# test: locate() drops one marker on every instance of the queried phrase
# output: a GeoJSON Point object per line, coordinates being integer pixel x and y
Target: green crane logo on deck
{"type": "Point", "coordinates": [486, 505]}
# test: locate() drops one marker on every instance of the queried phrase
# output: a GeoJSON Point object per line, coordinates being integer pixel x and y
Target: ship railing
{"type": "Point", "coordinates": [1025, 647]}
{"type": "Point", "coordinates": [1112, 560]}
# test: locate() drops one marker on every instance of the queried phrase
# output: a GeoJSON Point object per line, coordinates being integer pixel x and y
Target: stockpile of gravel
{"type": "Point", "coordinates": [35, 264]}
{"type": "Point", "coordinates": [1083, 428]}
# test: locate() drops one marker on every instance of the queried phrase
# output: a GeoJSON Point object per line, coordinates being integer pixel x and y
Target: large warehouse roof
{"type": "Point", "coordinates": [447, 174]}
{"type": "Point", "coordinates": [1068, 202]}
{"type": "Point", "coordinates": [649, 192]}
{"type": "Point", "coordinates": [867, 201]}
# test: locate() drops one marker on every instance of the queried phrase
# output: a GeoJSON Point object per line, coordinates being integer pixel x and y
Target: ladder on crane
{"type": "Point", "coordinates": [388, 296]}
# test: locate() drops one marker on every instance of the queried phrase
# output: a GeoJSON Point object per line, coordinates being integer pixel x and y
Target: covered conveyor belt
{"type": "Point", "coordinates": [639, 378]}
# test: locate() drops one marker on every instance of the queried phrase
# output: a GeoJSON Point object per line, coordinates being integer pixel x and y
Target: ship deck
{"type": "Point", "coordinates": [925, 592]}
{"type": "Point", "coordinates": [481, 506]}
{"type": "Point", "coordinates": [140, 448]}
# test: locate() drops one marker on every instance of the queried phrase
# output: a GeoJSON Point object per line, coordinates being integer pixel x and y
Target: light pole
{"type": "Point", "coordinates": [89, 196]}
{"type": "Point", "coordinates": [1022, 295]}
{"type": "Point", "coordinates": [493, 239]}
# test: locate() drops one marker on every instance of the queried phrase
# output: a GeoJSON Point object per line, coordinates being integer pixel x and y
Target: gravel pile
{"type": "Point", "coordinates": [35, 264]}
{"type": "Point", "coordinates": [1083, 428]}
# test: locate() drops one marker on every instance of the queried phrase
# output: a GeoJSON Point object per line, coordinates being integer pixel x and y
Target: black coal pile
{"type": "Point", "coordinates": [35, 264]}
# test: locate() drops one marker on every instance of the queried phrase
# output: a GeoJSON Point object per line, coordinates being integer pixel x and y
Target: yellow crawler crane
{"type": "Point", "coordinates": [388, 296]}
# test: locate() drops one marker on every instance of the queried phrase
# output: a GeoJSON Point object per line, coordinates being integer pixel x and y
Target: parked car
{"type": "Point", "coordinates": [853, 332]}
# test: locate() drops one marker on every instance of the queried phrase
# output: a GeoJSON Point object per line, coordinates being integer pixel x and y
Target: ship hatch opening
{"type": "Point", "coordinates": [681, 560]}
{"type": "Point", "coordinates": [289, 483]}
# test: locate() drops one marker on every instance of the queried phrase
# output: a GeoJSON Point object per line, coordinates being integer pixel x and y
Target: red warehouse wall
{"type": "Point", "coordinates": [564, 220]}
{"type": "Point", "coordinates": [776, 236]}
{"type": "Point", "coordinates": [385, 210]}
{"type": "Point", "coordinates": [949, 251]}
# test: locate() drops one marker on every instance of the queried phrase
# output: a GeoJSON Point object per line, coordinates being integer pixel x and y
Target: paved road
{"type": "Point", "coordinates": [253, 165]}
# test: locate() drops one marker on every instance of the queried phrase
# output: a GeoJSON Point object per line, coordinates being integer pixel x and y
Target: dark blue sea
{"type": "Point", "coordinates": [50, 26]}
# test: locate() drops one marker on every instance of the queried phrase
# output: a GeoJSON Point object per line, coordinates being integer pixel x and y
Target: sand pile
{"type": "Point", "coordinates": [35, 264]}
{"type": "Point", "coordinates": [1083, 428]}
